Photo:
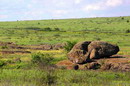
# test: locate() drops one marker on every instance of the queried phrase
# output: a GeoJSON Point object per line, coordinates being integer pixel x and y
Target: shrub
{"type": "Point", "coordinates": [57, 35]}
{"type": "Point", "coordinates": [42, 59]}
{"type": "Point", "coordinates": [47, 29]}
{"type": "Point", "coordinates": [128, 21]}
{"type": "Point", "coordinates": [45, 61]}
{"type": "Point", "coordinates": [4, 47]}
{"type": "Point", "coordinates": [69, 45]}
{"type": "Point", "coordinates": [122, 18]}
{"type": "Point", "coordinates": [56, 29]}
{"type": "Point", "coordinates": [2, 63]}
{"type": "Point", "coordinates": [127, 31]}
{"type": "Point", "coordinates": [97, 38]}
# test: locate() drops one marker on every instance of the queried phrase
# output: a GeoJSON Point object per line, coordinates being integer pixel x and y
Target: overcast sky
{"type": "Point", "coordinates": [12, 10]}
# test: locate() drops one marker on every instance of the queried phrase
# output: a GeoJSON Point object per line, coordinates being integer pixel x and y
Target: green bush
{"type": "Point", "coordinates": [38, 23]}
{"type": "Point", "coordinates": [97, 38]}
{"type": "Point", "coordinates": [56, 29]}
{"type": "Point", "coordinates": [69, 45]}
{"type": "Point", "coordinates": [127, 31]}
{"type": "Point", "coordinates": [47, 29]}
{"type": "Point", "coordinates": [4, 47]}
{"type": "Point", "coordinates": [40, 58]}
{"type": "Point", "coordinates": [122, 18]}
{"type": "Point", "coordinates": [57, 35]}
{"type": "Point", "coordinates": [2, 63]}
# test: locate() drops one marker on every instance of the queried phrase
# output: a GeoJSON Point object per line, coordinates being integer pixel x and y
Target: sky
{"type": "Point", "coordinates": [13, 10]}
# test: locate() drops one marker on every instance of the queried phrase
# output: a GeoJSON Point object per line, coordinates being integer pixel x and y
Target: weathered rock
{"type": "Point", "coordinates": [47, 47]}
{"type": "Point", "coordinates": [84, 51]}
{"type": "Point", "coordinates": [78, 52]}
{"type": "Point", "coordinates": [98, 49]}
{"type": "Point", "coordinates": [12, 45]}
{"type": "Point", "coordinates": [12, 52]}
{"type": "Point", "coordinates": [113, 63]}
{"type": "Point", "coordinates": [58, 46]}
{"type": "Point", "coordinates": [66, 64]}
{"type": "Point", "coordinates": [93, 65]}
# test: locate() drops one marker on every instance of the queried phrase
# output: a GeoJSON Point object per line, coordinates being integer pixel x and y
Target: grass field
{"type": "Point", "coordinates": [25, 73]}
{"type": "Point", "coordinates": [115, 30]}
{"type": "Point", "coordinates": [36, 77]}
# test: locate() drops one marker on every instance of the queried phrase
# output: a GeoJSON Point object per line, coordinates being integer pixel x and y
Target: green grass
{"type": "Point", "coordinates": [34, 32]}
{"type": "Point", "coordinates": [114, 30]}
{"type": "Point", "coordinates": [42, 37]}
{"type": "Point", "coordinates": [105, 24]}
{"type": "Point", "coordinates": [62, 78]}
{"type": "Point", "coordinates": [8, 61]}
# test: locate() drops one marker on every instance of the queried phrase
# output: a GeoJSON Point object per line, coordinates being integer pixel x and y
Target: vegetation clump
{"type": "Point", "coordinates": [47, 29]}
{"type": "Point", "coordinates": [4, 47]}
{"type": "Point", "coordinates": [2, 63]}
{"type": "Point", "coordinates": [69, 45]}
{"type": "Point", "coordinates": [44, 59]}
{"type": "Point", "coordinates": [56, 29]}
{"type": "Point", "coordinates": [127, 31]}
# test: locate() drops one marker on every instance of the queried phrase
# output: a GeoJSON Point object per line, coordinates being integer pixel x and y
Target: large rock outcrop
{"type": "Point", "coordinates": [78, 52]}
{"type": "Point", "coordinates": [95, 55]}
{"type": "Point", "coordinates": [114, 63]}
{"type": "Point", "coordinates": [98, 49]}
{"type": "Point", "coordinates": [84, 51]}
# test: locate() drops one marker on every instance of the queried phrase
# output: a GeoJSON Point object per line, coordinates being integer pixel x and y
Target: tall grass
{"type": "Point", "coordinates": [62, 78]}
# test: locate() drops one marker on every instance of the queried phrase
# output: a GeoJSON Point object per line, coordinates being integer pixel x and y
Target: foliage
{"type": "Point", "coordinates": [40, 58]}
{"type": "Point", "coordinates": [127, 31]}
{"type": "Point", "coordinates": [50, 78]}
{"type": "Point", "coordinates": [2, 63]}
{"type": "Point", "coordinates": [62, 78]}
{"type": "Point", "coordinates": [56, 29]}
{"type": "Point", "coordinates": [97, 38]}
{"type": "Point", "coordinates": [69, 45]}
{"type": "Point", "coordinates": [47, 29]}
{"type": "Point", "coordinates": [4, 47]}
{"type": "Point", "coordinates": [113, 29]}
{"type": "Point", "coordinates": [128, 21]}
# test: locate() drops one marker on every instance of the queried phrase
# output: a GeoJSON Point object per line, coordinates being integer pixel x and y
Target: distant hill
{"type": "Point", "coordinates": [113, 29]}
{"type": "Point", "coordinates": [118, 24]}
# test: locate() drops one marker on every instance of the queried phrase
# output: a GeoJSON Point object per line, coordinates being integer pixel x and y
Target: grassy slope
{"type": "Point", "coordinates": [33, 32]}
{"type": "Point", "coordinates": [104, 24]}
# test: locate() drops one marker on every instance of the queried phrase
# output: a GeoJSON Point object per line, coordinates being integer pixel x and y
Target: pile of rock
{"type": "Point", "coordinates": [95, 55]}
{"type": "Point", "coordinates": [84, 51]}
